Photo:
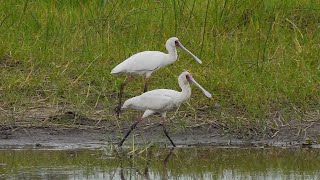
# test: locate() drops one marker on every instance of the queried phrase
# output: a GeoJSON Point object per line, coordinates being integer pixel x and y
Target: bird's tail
{"type": "Point", "coordinates": [128, 103]}
{"type": "Point", "coordinates": [125, 104]}
{"type": "Point", "coordinates": [117, 69]}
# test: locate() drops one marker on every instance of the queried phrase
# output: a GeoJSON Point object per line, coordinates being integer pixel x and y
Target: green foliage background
{"type": "Point", "coordinates": [258, 56]}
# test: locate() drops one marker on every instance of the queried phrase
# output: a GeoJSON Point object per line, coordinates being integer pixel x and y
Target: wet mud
{"type": "Point", "coordinates": [147, 134]}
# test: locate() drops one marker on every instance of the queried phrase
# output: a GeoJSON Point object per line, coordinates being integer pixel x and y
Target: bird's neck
{"type": "Point", "coordinates": [172, 52]}
{"type": "Point", "coordinates": [186, 91]}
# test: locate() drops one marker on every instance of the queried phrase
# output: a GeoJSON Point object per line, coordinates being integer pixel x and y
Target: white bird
{"type": "Point", "coordinates": [161, 101]}
{"type": "Point", "coordinates": [147, 62]}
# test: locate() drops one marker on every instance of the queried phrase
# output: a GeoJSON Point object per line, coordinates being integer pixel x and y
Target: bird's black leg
{"type": "Point", "coordinates": [118, 108]}
{"type": "Point", "coordinates": [128, 133]}
{"type": "Point", "coordinates": [145, 89]}
{"type": "Point", "coordinates": [166, 133]}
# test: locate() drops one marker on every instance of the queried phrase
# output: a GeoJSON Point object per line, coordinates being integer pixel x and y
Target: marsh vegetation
{"type": "Point", "coordinates": [260, 58]}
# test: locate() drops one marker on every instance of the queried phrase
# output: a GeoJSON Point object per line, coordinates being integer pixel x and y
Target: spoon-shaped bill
{"type": "Point", "coordinates": [200, 87]}
{"type": "Point", "coordinates": [185, 49]}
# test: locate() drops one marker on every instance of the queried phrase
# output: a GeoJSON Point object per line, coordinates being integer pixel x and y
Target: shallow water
{"type": "Point", "coordinates": [159, 163]}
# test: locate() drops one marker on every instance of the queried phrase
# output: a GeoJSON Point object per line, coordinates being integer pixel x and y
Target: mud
{"type": "Point", "coordinates": [66, 129]}
{"type": "Point", "coordinates": [147, 134]}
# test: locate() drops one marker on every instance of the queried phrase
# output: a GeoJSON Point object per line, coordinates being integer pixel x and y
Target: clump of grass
{"type": "Point", "coordinates": [259, 56]}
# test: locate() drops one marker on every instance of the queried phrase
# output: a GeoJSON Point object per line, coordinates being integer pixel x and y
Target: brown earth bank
{"type": "Point", "coordinates": [89, 134]}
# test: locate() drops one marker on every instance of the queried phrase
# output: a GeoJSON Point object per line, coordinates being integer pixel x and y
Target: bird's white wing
{"type": "Point", "coordinates": [162, 92]}
{"type": "Point", "coordinates": [150, 102]}
{"type": "Point", "coordinates": [141, 62]}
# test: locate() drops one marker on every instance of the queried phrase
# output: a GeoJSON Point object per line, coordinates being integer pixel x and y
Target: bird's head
{"type": "Point", "coordinates": [173, 43]}
{"type": "Point", "coordinates": [186, 77]}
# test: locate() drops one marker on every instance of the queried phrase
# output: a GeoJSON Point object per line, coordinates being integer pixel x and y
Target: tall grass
{"type": "Point", "coordinates": [258, 56]}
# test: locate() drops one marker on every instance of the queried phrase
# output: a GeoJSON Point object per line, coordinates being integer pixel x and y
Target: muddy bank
{"type": "Point", "coordinates": [66, 129]}
{"type": "Point", "coordinates": [145, 133]}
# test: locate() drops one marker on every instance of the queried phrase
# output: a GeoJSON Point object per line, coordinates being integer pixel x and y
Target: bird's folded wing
{"type": "Point", "coordinates": [155, 102]}
{"type": "Point", "coordinates": [144, 61]}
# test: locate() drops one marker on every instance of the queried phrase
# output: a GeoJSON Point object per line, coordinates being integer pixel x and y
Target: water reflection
{"type": "Point", "coordinates": [157, 163]}
{"type": "Point", "coordinates": [144, 172]}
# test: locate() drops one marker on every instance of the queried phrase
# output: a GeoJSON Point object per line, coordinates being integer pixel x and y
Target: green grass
{"type": "Point", "coordinates": [258, 56]}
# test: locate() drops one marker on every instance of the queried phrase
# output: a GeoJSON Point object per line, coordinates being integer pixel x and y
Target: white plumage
{"type": "Point", "coordinates": [143, 63]}
{"type": "Point", "coordinates": [162, 100]}
{"type": "Point", "coordinates": [146, 62]}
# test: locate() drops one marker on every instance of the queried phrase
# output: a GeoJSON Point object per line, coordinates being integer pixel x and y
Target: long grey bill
{"type": "Point", "coordinates": [195, 57]}
{"type": "Point", "coordinates": [202, 89]}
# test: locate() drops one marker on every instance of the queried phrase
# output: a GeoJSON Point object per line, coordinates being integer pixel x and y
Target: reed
{"type": "Point", "coordinates": [258, 56]}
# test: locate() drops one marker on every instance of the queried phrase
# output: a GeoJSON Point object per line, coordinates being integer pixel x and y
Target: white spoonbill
{"type": "Point", "coordinates": [161, 101]}
{"type": "Point", "coordinates": [147, 62]}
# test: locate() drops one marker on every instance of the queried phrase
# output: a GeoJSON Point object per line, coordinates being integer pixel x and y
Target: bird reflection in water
{"type": "Point", "coordinates": [145, 172]}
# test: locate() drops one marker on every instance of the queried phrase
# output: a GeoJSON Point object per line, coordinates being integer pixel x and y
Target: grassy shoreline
{"type": "Point", "coordinates": [259, 58]}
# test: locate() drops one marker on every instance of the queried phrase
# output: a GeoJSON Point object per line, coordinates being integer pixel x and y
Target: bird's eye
{"type": "Point", "coordinates": [177, 43]}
